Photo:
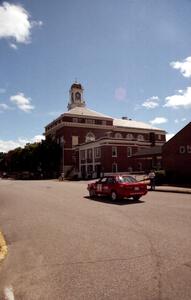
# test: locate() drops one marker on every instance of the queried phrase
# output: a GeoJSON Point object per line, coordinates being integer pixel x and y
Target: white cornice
{"type": "Point", "coordinates": [102, 127]}
{"type": "Point", "coordinates": [77, 125]}
{"type": "Point", "coordinates": [110, 142]}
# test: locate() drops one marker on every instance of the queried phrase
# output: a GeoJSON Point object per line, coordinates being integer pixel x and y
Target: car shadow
{"type": "Point", "coordinates": [117, 202]}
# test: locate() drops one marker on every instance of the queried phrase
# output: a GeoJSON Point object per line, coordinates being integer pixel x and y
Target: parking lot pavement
{"type": "Point", "coordinates": [64, 245]}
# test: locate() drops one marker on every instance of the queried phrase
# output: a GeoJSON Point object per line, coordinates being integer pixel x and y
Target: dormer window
{"type": "Point", "coordinates": [140, 137]}
{"type": "Point", "coordinates": [118, 135]}
{"type": "Point", "coordinates": [129, 136]}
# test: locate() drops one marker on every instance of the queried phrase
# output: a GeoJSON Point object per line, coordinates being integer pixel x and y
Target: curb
{"type": "Point", "coordinates": [3, 247]}
{"type": "Point", "coordinates": [173, 191]}
{"type": "Point", "coordinates": [166, 190]}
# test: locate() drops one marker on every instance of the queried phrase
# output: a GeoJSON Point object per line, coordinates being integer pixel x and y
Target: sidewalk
{"type": "Point", "coordinates": [171, 189]}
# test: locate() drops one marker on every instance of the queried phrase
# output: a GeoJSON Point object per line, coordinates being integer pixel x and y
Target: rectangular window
{"type": "Point", "coordinates": [103, 122]}
{"type": "Point", "coordinates": [74, 140]}
{"type": "Point", "coordinates": [129, 151]}
{"type": "Point", "coordinates": [90, 121]}
{"type": "Point", "coordinates": [98, 122]}
{"type": "Point", "coordinates": [82, 155]}
{"type": "Point", "coordinates": [114, 168]}
{"type": "Point", "coordinates": [89, 153]}
{"type": "Point", "coordinates": [97, 152]}
{"type": "Point", "coordinates": [75, 120]}
{"type": "Point", "coordinates": [114, 151]}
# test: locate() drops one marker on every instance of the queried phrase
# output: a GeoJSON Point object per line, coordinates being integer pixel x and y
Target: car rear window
{"type": "Point", "coordinates": [128, 179]}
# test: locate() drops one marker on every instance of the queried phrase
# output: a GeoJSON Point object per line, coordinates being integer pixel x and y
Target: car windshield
{"type": "Point", "coordinates": [128, 179]}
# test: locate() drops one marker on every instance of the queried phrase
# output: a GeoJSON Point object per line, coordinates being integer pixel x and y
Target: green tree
{"type": "Point", "coordinates": [40, 159]}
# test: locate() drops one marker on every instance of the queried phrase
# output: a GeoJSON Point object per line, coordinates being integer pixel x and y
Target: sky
{"type": "Point", "coordinates": [133, 58]}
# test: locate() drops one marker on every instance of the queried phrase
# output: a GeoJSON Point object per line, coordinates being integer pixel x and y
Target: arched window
{"type": "Point", "coordinates": [78, 96]}
{"type": "Point", "coordinates": [129, 136]}
{"type": "Point", "coordinates": [140, 137]}
{"type": "Point", "coordinates": [118, 135]}
{"type": "Point", "coordinates": [90, 137]}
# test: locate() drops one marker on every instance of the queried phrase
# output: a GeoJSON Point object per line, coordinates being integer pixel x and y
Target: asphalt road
{"type": "Point", "coordinates": [62, 245]}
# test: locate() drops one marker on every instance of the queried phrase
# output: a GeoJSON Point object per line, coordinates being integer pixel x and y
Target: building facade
{"type": "Point", "coordinates": [177, 155]}
{"type": "Point", "coordinates": [93, 142]}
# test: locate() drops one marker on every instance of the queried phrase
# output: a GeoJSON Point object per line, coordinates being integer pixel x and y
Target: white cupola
{"type": "Point", "coordinates": [76, 96]}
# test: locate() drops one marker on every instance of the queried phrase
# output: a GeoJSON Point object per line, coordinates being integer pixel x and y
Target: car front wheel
{"type": "Point", "coordinates": [113, 196]}
{"type": "Point", "coordinates": [136, 198]}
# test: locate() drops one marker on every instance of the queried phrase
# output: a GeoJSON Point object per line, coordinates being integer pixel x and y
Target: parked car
{"type": "Point", "coordinates": [118, 187]}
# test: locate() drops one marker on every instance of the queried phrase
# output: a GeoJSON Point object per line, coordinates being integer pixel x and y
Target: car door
{"type": "Point", "coordinates": [109, 186]}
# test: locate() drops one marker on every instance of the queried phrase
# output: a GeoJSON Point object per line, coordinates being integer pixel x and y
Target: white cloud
{"type": "Point", "coordinates": [15, 23]}
{"type": "Point", "coordinates": [120, 94]}
{"type": "Point", "coordinates": [169, 136]}
{"type": "Point", "coordinates": [4, 106]}
{"type": "Point", "coordinates": [13, 46]}
{"type": "Point", "coordinates": [151, 102]}
{"type": "Point", "coordinates": [22, 102]}
{"type": "Point", "coordinates": [181, 120]}
{"type": "Point", "coordinates": [158, 120]}
{"type": "Point", "coordinates": [184, 66]}
{"type": "Point", "coordinates": [6, 146]}
{"type": "Point", "coordinates": [183, 99]}
{"type": "Point", "coordinates": [38, 138]}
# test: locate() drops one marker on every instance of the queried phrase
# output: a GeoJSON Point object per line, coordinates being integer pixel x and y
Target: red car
{"type": "Point", "coordinates": [117, 187]}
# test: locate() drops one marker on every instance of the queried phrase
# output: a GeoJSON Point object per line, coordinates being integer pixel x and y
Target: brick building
{"type": "Point", "coordinates": [93, 142]}
{"type": "Point", "coordinates": [148, 158]}
{"type": "Point", "coordinates": [177, 155]}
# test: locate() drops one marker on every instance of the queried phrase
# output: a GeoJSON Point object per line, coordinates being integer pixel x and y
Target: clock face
{"type": "Point", "coordinates": [78, 96]}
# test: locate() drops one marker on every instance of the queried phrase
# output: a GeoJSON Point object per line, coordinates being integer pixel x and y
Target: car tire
{"type": "Point", "coordinates": [136, 198]}
{"type": "Point", "coordinates": [114, 196]}
{"type": "Point", "coordinates": [92, 193]}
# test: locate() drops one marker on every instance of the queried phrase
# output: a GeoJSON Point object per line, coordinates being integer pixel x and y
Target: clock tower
{"type": "Point", "coordinates": [76, 96]}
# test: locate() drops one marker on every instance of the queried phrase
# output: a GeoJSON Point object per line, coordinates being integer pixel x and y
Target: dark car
{"type": "Point", "coordinates": [118, 187]}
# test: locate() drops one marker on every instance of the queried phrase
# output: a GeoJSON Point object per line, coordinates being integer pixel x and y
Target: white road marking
{"type": "Point", "coordinates": [8, 293]}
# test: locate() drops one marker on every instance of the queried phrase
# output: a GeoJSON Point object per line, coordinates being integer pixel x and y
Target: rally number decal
{"type": "Point", "coordinates": [99, 187]}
